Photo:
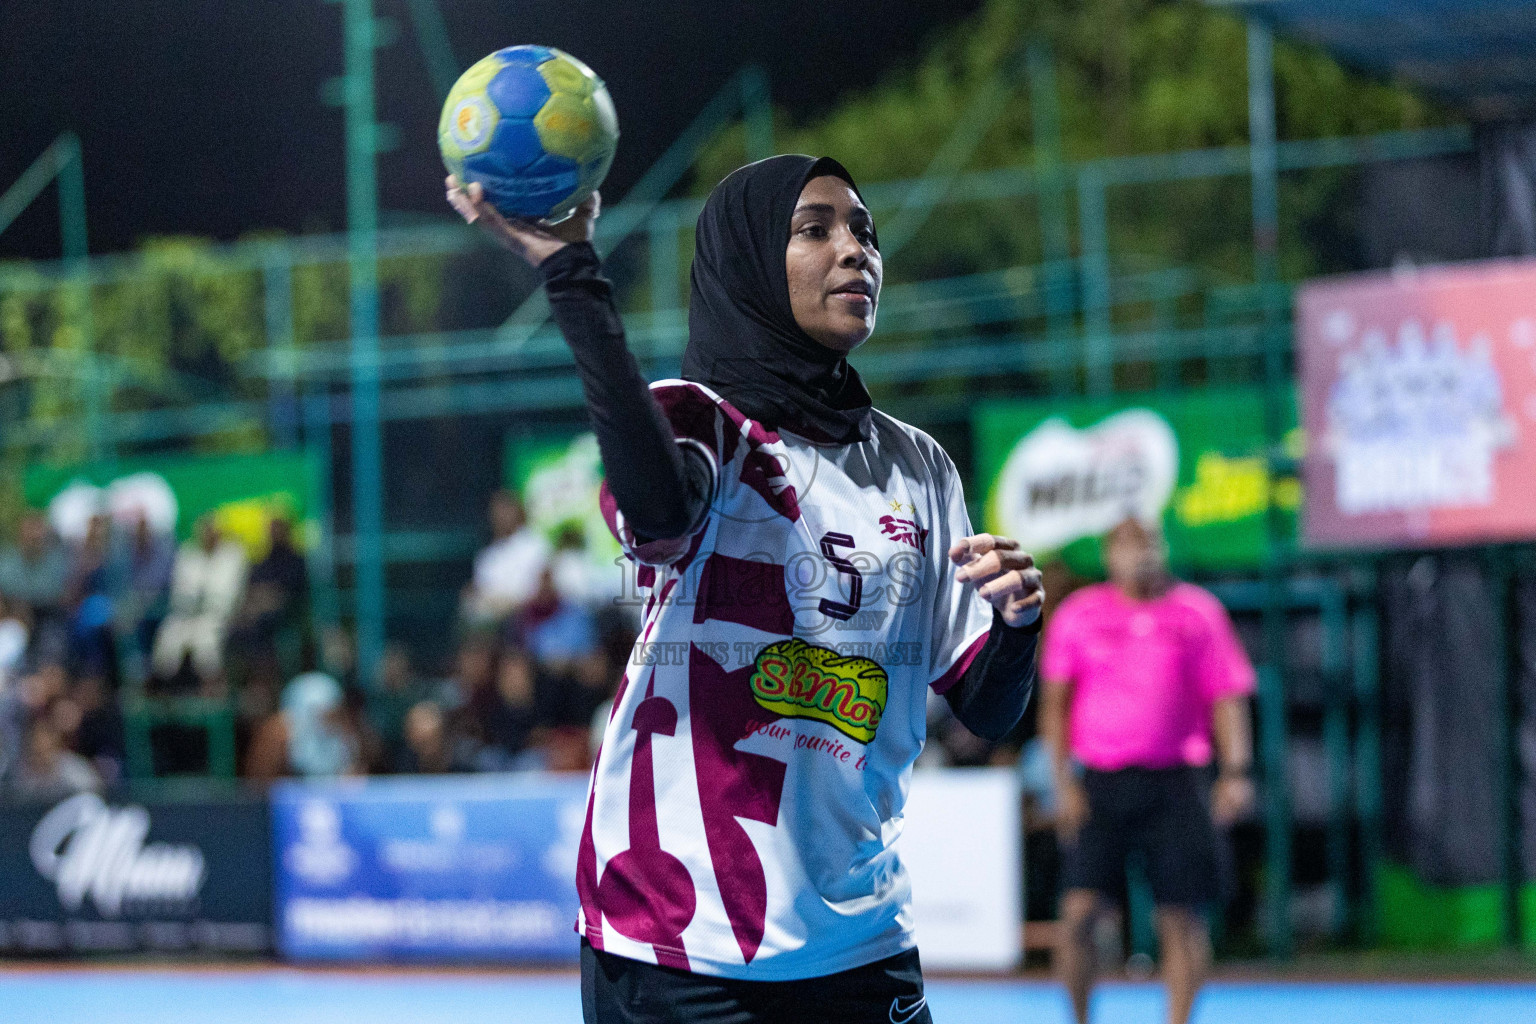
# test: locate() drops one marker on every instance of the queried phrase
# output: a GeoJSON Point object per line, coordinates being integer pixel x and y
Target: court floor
{"type": "Point", "coordinates": [50, 996]}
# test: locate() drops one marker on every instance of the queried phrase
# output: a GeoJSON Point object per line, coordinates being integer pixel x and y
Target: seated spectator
{"type": "Point", "coordinates": [581, 577]}
{"type": "Point", "coordinates": [512, 721]}
{"type": "Point", "coordinates": [274, 596]}
{"type": "Point", "coordinates": [88, 600]}
{"type": "Point", "coordinates": [15, 633]}
{"type": "Point", "coordinates": [266, 637]}
{"type": "Point", "coordinates": [431, 747]}
{"type": "Point", "coordinates": [312, 736]}
{"type": "Point", "coordinates": [399, 690]}
{"type": "Point", "coordinates": [143, 560]}
{"type": "Point", "coordinates": [100, 735]}
{"type": "Point", "coordinates": [474, 674]}
{"type": "Point", "coordinates": [32, 695]}
{"type": "Point", "coordinates": [507, 570]}
{"type": "Point", "coordinates": [206, 586]}
{"type": "Point", "coordinates": [562, 637]}
{"type": "Point", "coordinates": [33, 571]}
{"type": "Point", "coordinates": [47, 769]}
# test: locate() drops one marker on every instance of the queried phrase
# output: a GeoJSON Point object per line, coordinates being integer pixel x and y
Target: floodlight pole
{"type": "Point", "coordinates": [361, 33]}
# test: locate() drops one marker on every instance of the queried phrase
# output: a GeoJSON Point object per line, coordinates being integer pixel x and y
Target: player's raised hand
{"type": "Point", "coordinates": [1003, 575]}
{"type": "Point", "coordinates": [533, 240]}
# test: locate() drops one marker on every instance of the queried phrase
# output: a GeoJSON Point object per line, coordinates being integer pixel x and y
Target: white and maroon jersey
{"type": "Point", "coordinates": [748, 793]}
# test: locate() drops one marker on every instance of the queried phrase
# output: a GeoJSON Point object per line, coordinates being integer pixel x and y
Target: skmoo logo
{"type": "Point", "coordinates": [88, 849]}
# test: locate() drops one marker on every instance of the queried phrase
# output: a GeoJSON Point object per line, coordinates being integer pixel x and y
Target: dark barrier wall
{"type": "Point", "coordinates": [89, 874]}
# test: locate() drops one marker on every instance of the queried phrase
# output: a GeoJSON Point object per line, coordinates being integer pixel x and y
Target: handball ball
{"type": "Point", "coordinates": [534, 126]}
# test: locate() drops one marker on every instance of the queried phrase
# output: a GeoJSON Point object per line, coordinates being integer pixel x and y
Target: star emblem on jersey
{"type": "Point", "coordinates": [799, 680]}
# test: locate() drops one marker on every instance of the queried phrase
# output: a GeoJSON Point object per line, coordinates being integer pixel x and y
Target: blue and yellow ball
{"type": "Point", "coordinates": [534, 126]}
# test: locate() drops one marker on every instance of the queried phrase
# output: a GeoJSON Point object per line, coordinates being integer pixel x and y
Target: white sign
{"type": "Point", "coordinates": [89, 849]}
{"type": "Point", "coordinates": [961, 844]}
{"type": "Point", "coordinates": [1061, 484]}
{"type": "Point", "coordinates": [1415, 425]}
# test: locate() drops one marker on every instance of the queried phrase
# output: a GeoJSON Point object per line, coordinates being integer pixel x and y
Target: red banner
{"type": "Point", "coordinates": [1419, 401]}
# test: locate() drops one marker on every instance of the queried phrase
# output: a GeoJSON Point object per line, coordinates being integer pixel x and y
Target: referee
{"type": "Point", "coordinates": [1143, 677]}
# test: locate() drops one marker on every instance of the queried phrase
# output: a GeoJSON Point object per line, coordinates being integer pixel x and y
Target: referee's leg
{"type": "Point", "coordinates": [1076, 959]}
{"type": "Point", "coordinates": [1184, 869]}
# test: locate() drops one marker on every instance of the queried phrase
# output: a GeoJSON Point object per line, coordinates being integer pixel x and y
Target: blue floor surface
{"type": "Point", "coordinates": [294, 997]}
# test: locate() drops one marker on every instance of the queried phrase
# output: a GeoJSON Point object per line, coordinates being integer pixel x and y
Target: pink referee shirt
{"type": "Point", "coordinates": [1144, 674]}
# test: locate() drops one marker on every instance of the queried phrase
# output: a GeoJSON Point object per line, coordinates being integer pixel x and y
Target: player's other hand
{"type": "Point", "coordinates": [1003, 574]}
{"type": "Point", "coordinates": [533, 240]}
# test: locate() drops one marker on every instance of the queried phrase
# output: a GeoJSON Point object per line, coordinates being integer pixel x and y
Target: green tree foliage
{"type": "Point", "coordinates": [1133, 77]}
{"type": "Point", "coordinates": [182, 322]}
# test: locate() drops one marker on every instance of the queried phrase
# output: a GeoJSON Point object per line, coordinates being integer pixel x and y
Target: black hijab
{"type": "Point", "coordinates": [743, 341]}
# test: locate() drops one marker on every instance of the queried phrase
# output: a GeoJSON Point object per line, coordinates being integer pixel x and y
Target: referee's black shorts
{"type": "Point", "coordinates": [615, 990]}
{"type": "Point", "coordinates": [1164, 815]}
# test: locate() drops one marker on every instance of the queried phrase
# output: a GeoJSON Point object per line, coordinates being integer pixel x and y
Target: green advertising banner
{"type": "Point", "coordinates": [242, 492]}
{"type": "Point", "coordinates": [1057, 475]}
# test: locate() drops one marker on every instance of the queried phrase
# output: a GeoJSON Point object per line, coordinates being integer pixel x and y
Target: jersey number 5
{"type": "Point", "coordinates": [830, 542]}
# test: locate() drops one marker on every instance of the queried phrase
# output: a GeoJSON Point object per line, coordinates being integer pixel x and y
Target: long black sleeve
{"type": "Point", "coordinates": [662, 489]}
{"type": "Point", "coordinates": [990, 697]}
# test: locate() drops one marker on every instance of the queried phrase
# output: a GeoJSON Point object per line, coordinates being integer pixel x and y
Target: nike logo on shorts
{"type": "Point", "coordinates": [904, 1014]}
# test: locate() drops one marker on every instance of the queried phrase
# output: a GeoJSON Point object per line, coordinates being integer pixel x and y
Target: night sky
{"type": "Point", "coordinates": [204, 116]}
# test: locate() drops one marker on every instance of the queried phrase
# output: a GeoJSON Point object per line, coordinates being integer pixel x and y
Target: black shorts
{"type": "Point", "coordinates": [1162, 814]}
{"type": "Point", "coordinates": [615, 990]}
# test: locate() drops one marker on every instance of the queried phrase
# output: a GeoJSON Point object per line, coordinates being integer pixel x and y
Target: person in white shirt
{"type": "Point", "coordinates": [507, 570]}
{"type": "Point", "coordinates": [207, 585]}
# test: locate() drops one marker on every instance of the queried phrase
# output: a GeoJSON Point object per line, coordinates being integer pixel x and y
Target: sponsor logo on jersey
{"type": "Point", "coordinates": [798, 680]}
{"type": "Point", "coordinates": [904, 530]}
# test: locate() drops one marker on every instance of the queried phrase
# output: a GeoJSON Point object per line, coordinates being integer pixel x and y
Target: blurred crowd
{"type": "Point", "coordinates": [123, 619]}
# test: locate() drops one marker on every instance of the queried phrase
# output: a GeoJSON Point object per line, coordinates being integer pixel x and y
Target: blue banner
{"type": "Point", "coordinates": [472, 867]}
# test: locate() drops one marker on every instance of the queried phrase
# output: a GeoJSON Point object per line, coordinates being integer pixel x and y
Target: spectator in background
{"type": "Point", "coordinates": [512, 722]}
{"type": "Point", "coordinates": [37, 720]}
{"type": "Point", "coordinates": [400, 689]}
{"type": "Point", "coordinates": [311, 736]}
{"type": "Point", "coordinates": [507, 570]}
{"type": "Point", "coordinates": [1141, 673]}
{"type": "Point", "coordinates": [272, 612]}
{"type": "Point", "coordinates": [15, 634]}
{"type": "Point", "coordinates": [23, 702]}
{"type": "Point", "coordinates": [88, 598]}
{"type": "Point", "coordinates": [34, 572]}
{"type": "Point", "coordinates": [433, 745]}
{"type": "Point", "coordinates": [35, 569]}
{"type": "Point", "coordinates": [47, 769]}
{"type": "Point", "coordinates": [579, 576]}
{"type": "Point", "coordinates": [207, 583]}
{"type": "Point", "coordinates": [99, 736]}
{"type": "Point", "coordinates": [143, 560]}
{"type": "Point", "coordinates": [278, 584]}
